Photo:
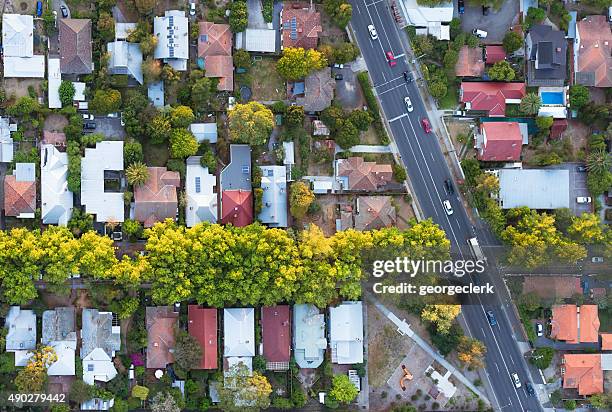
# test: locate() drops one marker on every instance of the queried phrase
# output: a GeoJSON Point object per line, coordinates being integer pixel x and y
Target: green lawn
{"type": "Point", "coordinates": [267, 84]}
{"type": "Point", "coordinates": [155, 155]}
{"type": "Point", "coordinates": [450, 101]}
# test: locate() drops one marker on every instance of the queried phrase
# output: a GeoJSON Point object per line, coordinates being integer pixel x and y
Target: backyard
{"type": "Point", "coordinates": [265, 82]}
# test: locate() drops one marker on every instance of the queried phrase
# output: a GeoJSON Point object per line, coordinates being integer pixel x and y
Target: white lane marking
{"type": "Point", "coordinates": [390, 81]}
{"type": "Point", "coordinates": [398, 117]}
{"type": "Point", "coordinates": [391, 89]}
{"type": "Point", "coordinates": [379, 42]}
{"type": "Point", "coordinates": [497, 367]}
{"type": "Point", "coordinates": [383, 28]}
{"type": "Point", "coordinates": [371, 4]}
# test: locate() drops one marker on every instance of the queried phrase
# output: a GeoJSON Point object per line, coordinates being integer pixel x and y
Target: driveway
{"type": "Point", "coordinates": [544, 342]}
{"type": "Point", "coordinates": [110, 127]}
{"type": "Point", "coordinates": [256, 20]}
{"type": "Point", "coordinates": [577, 188]}
{"type": "Point", "coordinates": [496, 24]}
{"type": "Point", "coordinates": [348, 92]}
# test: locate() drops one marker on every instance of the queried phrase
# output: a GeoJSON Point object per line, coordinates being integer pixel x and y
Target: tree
{"type": "Point", "coordinates": [331, 115]}
{"type": "Point", "coordinates": [450, 59]}
{"type": "Point", "coordinates": [181, 116]}
{"type": "Point", "coordinates": [601, 400]}
{"type": "Point", "coordinates": [80, 222]}
{"type": "Point", "coordinates": [570, 404]}
{"type": "Point", "coordinates": [66, 93]}
{"type": "Point", "coordinates": [345, 52]}
{"type": "Point", "coordinates": [542, 357]}
{"type": "Point", "coordinates": [242, 59]}
{"type": "Point", "coordinates": [339, 10]}
{"type": "Point", "coordinates": [240, 389]}
{"type": "Point", "coordinates": [300, 198]}
{"type": "Point", "coordinates": [472, 41]}
{"type": "Point", "coordinates": [106, 101]}
{"type": "Point", "coordinates": [140, 392]}
{"type": "Point", "coordinates": [399, 173]}
{"type": "Point", "coordinates": [295, 116]}
{"type": "Point", "coordinates": [182, 144]}
{"type": "Point", "coordinates": [250, 123]}
{"type": "Point", "coordinates": [586, 229]}
{"type": "Point", "coordinates": [23, 107]}
{"type": "Point", "coordinates": [512, 42]}
{"type": "Point", "coordinates": [238, 18]}
{"type": "Point", "coordinates": [438, 89]}
{"type": "Point", "coordinates": [151, 70]}
{"type": "Point", "coordinates": [145, 7]}
{"type": "Point", "coordinates": [160, 128]}
{"type": "Point", "coordinates": [362, 119]}
{"type": "Point", "coordinates": [120, 405]}
{"type": "Point", "coordinates": [442, 316]}
{"type": "Point", "coordinates": [535, 15]}
{"type": "Point", "coordinates": [579, 96]}
{"type": "Point", "coordinates": [106, 26]}
{"type": "Point", "coordinates": [132, 153]}
{"type": "Point", "coordinates": [544, 122]}
{"type": "Point", "coordinates": [297, 63]}
{"type": "Point", "coordinates": [502, 71]}
{"type": "Point", "coordinates": [471, 352]}
{"type": "Point", "coordinates": [201, 90]}
{"type": "Point", "coordinates": [530, 103]}
{"type": "Point", "coordinates": [187, 351]}
{"type": "Point", "coordinates": [342, 389]}
{"type": "Point", "coordinates": [137, 174]}
{"type": "Point", "coordinates": [592, 112]}
{"type": "Point", "coordinates": [346, 133]}
{"type": "Point", "coordinates": [148, 44]}
{"type": "Point", "coordinates": [132, 229]}
{"type": "Point", "coordinates": [597, 183]}
{"type": "Point", "coordinates": [599, 161]}
{"type": "Point", "coordinates": [33, 377]}
{"type": "Point", "coordinates": [80, 391]}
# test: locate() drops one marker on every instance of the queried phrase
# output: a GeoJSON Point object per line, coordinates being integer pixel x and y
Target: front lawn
{"type": "Point", "coordinates": [450, 101]}
{"type": "Point", "coordinates": [267, 84]}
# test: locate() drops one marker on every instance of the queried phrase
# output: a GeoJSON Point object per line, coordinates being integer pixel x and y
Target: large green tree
{"type": "Point", "coordinates": [502, 71]}
{"type": "Point", "coordinates": [250, 123]}
{"type": "Point", "coordinates": [297, 63]}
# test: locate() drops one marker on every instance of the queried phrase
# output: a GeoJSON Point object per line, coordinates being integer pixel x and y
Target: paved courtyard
{"type": "Point", "coordinates": [496, 24]}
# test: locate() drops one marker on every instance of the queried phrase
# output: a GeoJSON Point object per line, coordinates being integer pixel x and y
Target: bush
{"type": "Point", "coordinates": [370, 98]}
{"type": "Point", "coordinates": [512, 42]}
{"type": "Point", "coordinates": [399, 173]}
{"type": "Point", "coordinates": [238, 18]}
{"type": "Point", "coordinates": [542, 357]}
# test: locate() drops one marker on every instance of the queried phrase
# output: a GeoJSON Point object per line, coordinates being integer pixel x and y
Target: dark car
{"type": "Point", "coordinates": [407, 77]}
{"type": "Point", "coordinates": [485, 10]}
{"type": "Point", "coordinates": [529, 389]}
{"type": "Point", "coordinates": [460, 6]}
{"type": "Point", "coordinates": [491, 318]}
{"type": "Point", "coordinates": [448, 184]}
{"type": "Point", "coordinates": [89, 125]}
{"type": "Point", "coordinates": [581, 169]}
{"type": "Point", "coordinates": [339, 76]}
{"type": "Point", "coordinates": [64, 11]}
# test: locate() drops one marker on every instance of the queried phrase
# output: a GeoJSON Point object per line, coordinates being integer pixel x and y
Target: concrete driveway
{"type": "Point", "coordinates": [496, 24]}
{"type": "Point", "coordinates": [256, 20]}
{"type": "Point", "coordinates": [348, 92]}
{"type": "Point", "coordinates": [109, 127]}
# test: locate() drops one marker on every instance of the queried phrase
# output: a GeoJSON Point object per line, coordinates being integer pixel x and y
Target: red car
{"type": "Point", "coordinates": [390, 58]}
{"type": "Point", "coordinates": [426, 125]}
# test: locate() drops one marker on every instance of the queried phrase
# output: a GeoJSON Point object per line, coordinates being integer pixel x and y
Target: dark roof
{"type": "Point", "coordinates": [547, 50]}
{"type": "Point", "coordinates": [75, 46]}
{"type": "Point", "coordinates": [202, 325]}
{"type": "Point", "coordinates": [276, 333]}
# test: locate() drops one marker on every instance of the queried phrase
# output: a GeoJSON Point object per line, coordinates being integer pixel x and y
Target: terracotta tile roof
{"type": "Point", "coordinates": [55, 138]}
{"type": "Point", "coordinates": [490, 96]}
{"type": "Point", "coordinates": [237, 207]}
{"type": "Point", "coordinates": [215, 47]}
{"type": "Point", "coordinates": [574, 325]}
{"type": "Point", "coordinates": [470, 63]}
{"type": "Point", "coordinates": [364, 175]}
{"type": "Point", "coordinates": [301, 25]}
{"type": "Point", "coordinates": [318, 91]}
{"type": "Point", "coordinates": [589, 323]}
{"type": "Point", "coordinates": [594, 52]}
{"type": "Point", "coordinates": [503, 141]}
{"type": "Point", "coordinates": [161, 321]}
{"type": "Point", "coordinates": [202, 325]}
{"type": "Point", "coordinates": [494, 54]}
{"type": "Point", "coordinates": [606, 341]}
{"type": "Point", "coordinates": [156, 200]}
{"type": "Point", "coordinates": [19, 196]}
{"type": "Point", "coordinates": [583, 372]}
{"type": "Point", "coordinates": [75, 46]}
{"type": "Point", "coordinates": [555, 287]}
{"type": "Point", "coordinates": [375, 212]}
{"type": "Point", "coordinates": [276, 333]}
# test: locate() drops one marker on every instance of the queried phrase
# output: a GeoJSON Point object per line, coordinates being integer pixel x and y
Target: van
{"type": "Point", "coordinates": [480, 33]}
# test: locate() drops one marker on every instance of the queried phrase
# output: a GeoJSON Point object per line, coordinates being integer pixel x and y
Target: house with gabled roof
{"type": "Point", "coordinates": [59, 332]}
{"type": "Point", "coordinates": [238, 337]}
{"type": "Point", "coordinates": [100, 340]}
{"type": "Point", "coordinates": [346, 333]}
{"type": "Point", "coordinates": [500, 141]}
{"type": "Point", "coordinates": [374, 212]}
{"type": "Point", "coordinates": [593, 52]}
{"type": "Point", "coordinates": [21, 334]}
{"type": "Point", "coordinates": [490, 97]}
{"type": "Point", "coordinates": [429, 20]}
{"type": "Point", "coordinates": [583, 371]}
{"type": "Point", "coordinates": [494, 53]}
{"type": "Point", "coordinates": [202, 200]}
{"type": "Point", "coordinates": [237, 195]}
{"type": "Point", "coordinates": [355, 174]}
{"type": "Point", "coordinates": [301, 25]}
{"type": "Point", "coordinates": [20, 191]}
{"type": "Point", "coordinates": [276, 336]}
{"type": "Point", "coordinates": [19, 59]}
{"type": "Point", "coordinates": [125, 58]}
{"type": "Point", "coordinates": [172, 39]}
{"type": "Point", "coordinates": [215, 52]}
{"type": "Point", "coordinates": [575, 324]}
{"type": "Point", "coordinates": [161, 322]}
{"type": "Point", "coordinates": [202, 325]}
{"type": "Point", "coordinates": [274, 200]}
{"type": "Point", "coordinates": [606, 341]}
{"type": "Point", "coordinates": [309, 341]}
{"type": "Point", "coordinates": [75, 46]}
{"type": "Point", "coordinates": [318, 91]}
{"type": "Point", "coordinates": [56, 200]}
{"type": "Point", "coordinates": [156, 199]}
{"type": "Point", "coordinates": [547, 54]}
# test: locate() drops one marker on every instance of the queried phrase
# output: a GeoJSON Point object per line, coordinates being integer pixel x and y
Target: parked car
{"type": "Point", "coordinates": [390, 58]}
{"type": "Point", "coordinates": [89, 125]}
{"type": "Point", "coordinates": [87, 116]}
{"type": "Point", "coordinates": [529, 389]}
{"type": "Point", "coordinates": [480, 33]}
{"type": "Point", "coordinates": [448, 185]}
{"type": "Point", "coordinates": [583, 199]}
{"type": "Point", "coordinates": [461, 6]}
{"type": "Point", "coordinates": [338, 66]}
{"type": "Point", "coordinates": [122, 119]}
{"type": "Point", "coordinates": [408, 104]}
{"type": "Point", "coordinates": [407, 77]}
{"type": "Point", "coordinates": [597, 259]}
{"type": "Point", "coordinates": [113, 115]}
{"type": "Point", "coordinates": [192, 9]}
{"type": "Point", "coordinates": [372, 31]}
{"type": "Point", "coordinates": [426, 125]}
{"type": "Point", "coordinates": [64, 11]}
{"type": "Point", "coordinates": [516, 380]}
{"type": "Point", "coordinates": [581, 168]}
{"type": "Point", "coordinates": [339, 76]}
{"type": "Point", "coordinates": [447, 207]}
{"type": "Point", "coordinates": [491, 318]}
{"type": "Point", "coordinates": [539, 329]}
{"type": "Point", "coordinates": [39, 8]}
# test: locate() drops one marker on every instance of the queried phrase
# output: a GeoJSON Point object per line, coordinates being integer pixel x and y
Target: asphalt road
{"type": "Point", "coordinates": [427, 170]}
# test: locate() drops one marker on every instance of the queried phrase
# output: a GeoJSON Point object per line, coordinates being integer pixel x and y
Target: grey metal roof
{"type": "Point", "coordinates": [21, 325]}
{"type": "Point", "coordinates": [58, 325]}
{"type": "Point", "coordinates": [237, 174]}
{"type": "Point", "coordinates": [534, 188]}
{"type": "Point", "coordinates": [25, 172]}
{"type": "Point", "coordinates": [97, 332]}
{"type": "Point", "coordinates": [547, 49]}
{"type": "Point", "coordinates": [274, 199]}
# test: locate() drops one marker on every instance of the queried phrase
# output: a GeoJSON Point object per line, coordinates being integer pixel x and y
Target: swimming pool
{"type": "Point", "coordinates": [552, 97]}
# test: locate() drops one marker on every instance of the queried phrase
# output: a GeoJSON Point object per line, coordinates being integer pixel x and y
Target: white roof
{"type": "Point", "coordinates": [17, 35]}
{"type": "Point", "coordinates": [346, 333]}
{"type": "Point", "coordinates": [65, 364]}
{"type": "Point", "coordinates": [54, 82]}
{"type": "Point", "coordinates": [172, 38]}
{"type": "Point", "coordinates": [25, 172]}
{"type": "Point", "coordinates": [6, 141]}
{"type": "Point", "coordinates": [57, 201]}
{"type": "Point", "coordinates": [239, 332]}
{"type": "Point", "coordinates": [21, 326]}
{"type": "Point", "coordinates": [557, 112]}
{"type": "Point", "coordinates": [606, 361]}
{"type": "Point", "coordinates": [289, 149]}
{"type": "Point", "coordinates": [125, 58]}
{"type": "Point", "coordinates": [322, 186]}
{"type": "Point", "coordinates": [201, 204]}
{"type": "Point", "coordinates": [309, 341]}
{"type": "Point", "coordinates": [98, 366]}
{"type": "Point", "coordinates": [25, 67]}
{"type": "Point", "coordinates": [79, 91]}
{"type": "Point", "coordinates": [107, 155]}
{"type": "Point", "coordinates": [122, 30]}
{"type": "Point", "coordinates": [257, 40]}
{"type": "Point", "coordinates": [534, 188]}
{"type": "Point", "coordinates": [421, 16]}
{"type": "Point", "coordinates": [204, 131]}
{"type": "Point", "coordinates": [274, 199]}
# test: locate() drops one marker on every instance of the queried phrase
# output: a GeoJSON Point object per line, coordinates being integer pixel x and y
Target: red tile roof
{"type": "Point", "coordinates": [589, 323]}
{"type": "Point", "coordinates": [594, 52]}
{"type": "Point", "coordinates": [494, 54]}
{"type": "Point", "coordinates": [215, 47]}
{"type": "Point", "coordinates": [375, 212]}
{"type": "Point", "coordinates": [202, 325]}
{"type": "Point", "coordinates": [606, 341]}
{"type": "Point", "coordinates": [490, 96]}
{"type": "Point", "coordinates": [307, 25]}
{"type": "Point", "coordinates": [502, 141]}
{"type": "Point", "coordinates": [156, 200]}
{"type": "Point", "coordinates": [574, 325]}
{"type": "Point", "coordinates": [237, 207]}
{"type": "Point", "coordinates": [583, 372]}
{"type": "Point", "coordinates": [276, 333]}
{"type": "Point", "coordinates": [469, 62]}
{"type": "Point", "coordinates": [19, 197]}
{"type": "Point", "coordinates": [364, 175]}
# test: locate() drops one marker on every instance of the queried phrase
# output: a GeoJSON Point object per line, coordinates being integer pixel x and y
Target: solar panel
{"type": "Point", "coordinates": [293, 28]}
{"type": "Point", "coordinates": [197, 184]}
{"type": "Point", "coordinates": [245, 170]}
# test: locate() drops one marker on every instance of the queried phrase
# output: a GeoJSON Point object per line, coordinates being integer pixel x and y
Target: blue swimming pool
{"type": "Point", "coordinates": [552, 97]}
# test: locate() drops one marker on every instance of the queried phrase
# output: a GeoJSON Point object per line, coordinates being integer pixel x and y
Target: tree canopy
{"type": "Point", "coordinates": [250, 123]}
{"type": "Point", "coordinates": [297, 63]}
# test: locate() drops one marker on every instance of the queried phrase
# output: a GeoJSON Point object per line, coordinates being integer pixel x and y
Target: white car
{"type": "Point", "coordinates": [192, 9]}
{"type": "Point", "coordinates": [447, 207]}
{"type": "Point", "coordinates": [87, 116]}
{"type": "Point", "coordinates": [408, 104]}
{"type": "Point", "coordinates": [583, 199]}
{"type": "Point", "coordinates": [516, 380]}
{"type": "Point", "coordinates": [597, 259]}
{"type": "Point", "coordinates": [539, 329]}
{"type": "Point", "coordinates": [373, 34]}
{"type": "Point", "coordinates": [480, 33]}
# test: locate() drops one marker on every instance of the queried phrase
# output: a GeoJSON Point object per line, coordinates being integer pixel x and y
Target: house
{"type": "Point", "coordinates": [236, 196]}
{"type": "Point", "coordinates": [59, 332]}
{"type": "Point", "coordinates": [558, 127]}
{"type": "Point", "coordinates": [274, 200]}
{"type": "Point", "coordinates": [301, 25]}
{"type": "Point", "coordinates": [54, 81]}
{"type": "Point", "coordinates": [427, 20]}
{"type": "Point", "coordinates": [215, 53]}
{"type": "Point", "coordinates": [20, 192]}
{"type": "Point", "coordinates": [318, 91]}
{"type": "Point", "coordinates": [204, 131]}
{"type": "Point", "coordinates": [123, 30]}
{"type": "Point", "coordinates": [470, 62]}
{"type": "Point", "coordinates": [55, 198]}
{"type": "Point", "coordinates": [606, 341]}
{"type": "Point", "coordinates": [555, 287]}
{"type": "Point", "coordinates": [20, 327]}
{"type": "Point", "coordinates": [374, 212]}
{"type": "Point", "coordinates": [6, 141]}
{"type": "Point", "coordinates": [155, 93]}
{"type": "Point", "coordinates": [593, 52]}
{"type": "Point", "coordinates": [156, 200]}
{"type": "Point", "coordinates": [100, 339]}
{"type": "Point", "coordinates": [276, 336]}
{"type": "Point", "coordinates": [161, 322]}
{"type": "Point", "coordinates": [172, 39]}
{"type": "Point", "coordinates": [101, 167]}
{"type": "Point", "coordinates": [201, 196]}
{"type": "Point", "coordinates": [202, 325]}
{"type": "Point", "coordinates": [500, 141]}
{"type": "Point", "coordinates": [547, 53]}
{"type": "Point", "coordinates": [346, 333]}
{"type": "Point", "coordinates": [575, 324]}
{"type": "Point", "coordinates": [583, 371]}
{"type": "Point", "coordinates": [309, 341]}
{"type": "Point", "coordinates": [490, 97]}
{"type": "Point", "coordinates": [125, 58]}
{"type": "Point", "coordinates": [19, 59]}
{"type": "Point", "coordinates": [238, 337]}
{"type": "Point", "coordinates": [257, 40]}
{"type": "Point", "coordinates": [289, 159]}
{"type": "Point", "coordinates": [356, 174]}
{"type": "Point", "coordinates": [75, 46]}
{"type": "Point", "coordinates": [494, 53]}
{"type": "Point", "coordinates": [544, 189]}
